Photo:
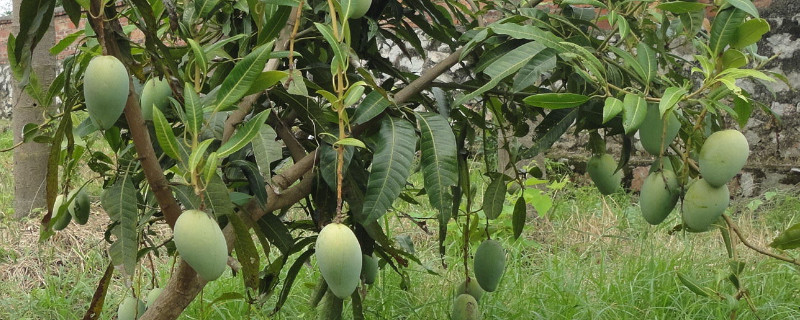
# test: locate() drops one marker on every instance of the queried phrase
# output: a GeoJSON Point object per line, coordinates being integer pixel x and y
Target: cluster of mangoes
{"type": "Point", "coordinates": [132, 308]}
{"type": "Point", "coordinates": [75, 208]}
{"type": "Point", "coordinates": [721, 157]}
{"type": "Point", "coordinates": [488, 265]}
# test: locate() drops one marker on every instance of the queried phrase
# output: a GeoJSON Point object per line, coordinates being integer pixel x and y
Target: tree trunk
{"type": "Point", "coordinates": [30, 159]}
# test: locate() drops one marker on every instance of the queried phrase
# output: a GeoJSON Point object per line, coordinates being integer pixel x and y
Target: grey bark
{"type": "Point", "coordinates": [30, 159]}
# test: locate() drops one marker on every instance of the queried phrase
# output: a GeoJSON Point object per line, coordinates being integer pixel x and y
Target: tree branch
{"type": "Point", "coordinates": [141, 138]}
{"type": "Point", "coordinates": [732, 225]}
{"type": "Point", "coordinates": [295, 148]}
{"type": "Point", "coordinates": [184, 284]}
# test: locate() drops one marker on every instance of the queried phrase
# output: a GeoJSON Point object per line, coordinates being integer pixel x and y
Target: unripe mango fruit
{"type": "Point", "coordinates": [152, 296]}
{"type": "Point", "coordinates": [703, 204]}
{"type": "Point", "coordinates": [130, 309]}
{"type": "Point", "coordinates": [339, 259]}
{"type": "Point", "coordinates": [369, 268]}
{"type": "Point", "coordinates": [156, 93]}
{"type": "Point", "coordinates": [601, 170]}
{"type": "Point", "coordinates": [80, 207]}
{"type": "Point", "coordinates": [651, 129]}
{"type": "Point", "coordinates": [658, 196]}
{"type": "Point", "coordinates": [60, 214]}
{"type": "Point", "coordinates": [105, 90]}
{"type": "Point", "coordinates": [201, 244]}
{"type": "Point", "coordinates": [722, 156]}
{"type": "Point", "coordinates": [490, 261]}
{"type": "Point", "coordinates": [473, 289]}
{"type": "Point", "coordinates": [465, 308]}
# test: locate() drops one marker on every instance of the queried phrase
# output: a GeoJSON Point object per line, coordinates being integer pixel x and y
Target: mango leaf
{"type": "Point", "coordinates": [73, 11]}
{"type": "Point", "coordinates": [391, 166]}
{"type": "Point", "coordinates": [589, 2]}
{"type": "Point", "coordinates": [273, 228]}
{"type": "Point", "coordinates": [339, 61]}
{"type": "Point", "coordinates": [530, 32]}
{"type": "Point", "coordinates": [291, 275]}
{"type": "Point", "coordinates": [556, 100]}
{"type": "Point", "coordinates": [165, 136]}
{"type": "Point", "coordinates": [328, 161]}
{"type": "Point", "coordinates": [519, 216]}
{"type": "Point", "coordinates": [692, 22]}
{"type": "Point", "coordinates": [788, 239]}
{"type": "Point", "coordinates": [266, 80]}
{"type": "Point", "coordinates": [552, 127]}
{"type": "Point", "coordinates": [200, 59]}
{"type": "Point", "coordinates": [647, 59]}
{"type": "Point", "coordinates": [254, 179]}
{"type": "Point", "coordinates": [66, 42]}
{"type": "Point", "coordinates": [34, 20]}
{"type": "Point", "coordinates": [120, 202]}
{"type": "Point", "coordinates": [241, 78]}
{"type": "Point", "coordinates": [493, 198]}
{"type": "Point", "coordinates": [194, 110]}
{"type": "Point", "coordinates": [439, 166]}
{"type": "Point", "coordinates": [743, 109]}
{"type": "Point", "coordinates": [733, 58]}
{"type": "Point", "coordinates": [217, 198]}
{"type": "Point", "coordinates": [611, 109]}
{"type": "Point", "coordinates": [694, 287]}
{"type": "Point", "coordinates": [629, 60]}
{"type": "Point", "coordinates": [542, 62]}
{"type": "Point", "coordinates": [746, 6]}
{"type": "Point", "coordinates": [635, 107]}
{"type": "Point", "coordinates": [372, 105]}
{"type": "Point", "coordinates": [246, 252]}
{"type": "Point", "coordinates": [503, 67]}
{"type": "Point", "coordinates": [682, 6]}
{"type": "Point", "coordinates": [723, 30]}
{"type": "Point", "coordinates": [99, 297]}
{"type": "Point", "coordinates": [749, 33]}
{"type": "Point", "coordinates": [243, 135]}
{"type": "Point", "coordinates": [350, 142]}
{"type": "Point", "coordinates": [198, 154]}
{"type": "Point", "coordinates": [671, 97]}
{"type": "Point", "coordinates": [204, 7]}
{"type": "Point", "coordinates": [266, 149]}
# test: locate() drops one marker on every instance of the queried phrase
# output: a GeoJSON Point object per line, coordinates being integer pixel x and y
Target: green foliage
{"type": "Point", "coordinates": [259, 93]}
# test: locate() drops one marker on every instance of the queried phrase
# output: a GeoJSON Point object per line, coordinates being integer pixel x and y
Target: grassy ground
{"type": "Point", "coordinates": [591, 257]}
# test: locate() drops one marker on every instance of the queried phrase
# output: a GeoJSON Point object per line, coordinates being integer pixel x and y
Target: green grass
{"type": "Point", "coordinates": [6, 175]}
{"type": "Point", "coordinates": [591, 257]}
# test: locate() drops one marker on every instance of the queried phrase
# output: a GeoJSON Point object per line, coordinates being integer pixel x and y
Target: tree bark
{"type": "Point", "coordinates": [30, 159]}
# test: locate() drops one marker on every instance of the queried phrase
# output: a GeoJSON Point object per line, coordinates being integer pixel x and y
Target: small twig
{"type": "Point", "coordinates": [732, 225]}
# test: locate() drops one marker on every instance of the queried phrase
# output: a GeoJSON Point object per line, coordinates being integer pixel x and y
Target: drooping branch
{"type": "Point", "coordinates": [133, 114]}
{"type": "Point", "coordinates": [732, 225]}
{"type": "Point", "coordinates": [184, 284]}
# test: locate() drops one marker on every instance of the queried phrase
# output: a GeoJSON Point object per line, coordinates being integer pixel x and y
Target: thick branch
{"type": "Point", "coordinates": [426, 78]}
{"type": "Point", "coordinates": [295, 148]}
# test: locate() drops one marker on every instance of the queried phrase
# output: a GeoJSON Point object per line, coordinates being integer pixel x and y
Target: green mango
{"type": "Point", "coordinates": [658, 196]}
{"type": "Point", "coordinates": [105, 89]}
{"type": "Point", "coordinates": [201, 244]}
{"type": "Point", "coordinates": [601, 170]}
{"type": "Point", "coordinates": [130, 309]}
{"type": "Point", "coordinates": [155, 93]}
{"type": "Point", "coordinates": [465, 308]}
{"type": "Point", "coordinates": [339, 259]}
{"type": "Point", "coordinates": [652, 128]}
{"type": "Point", "coordinates": [722, 156]}
{"type": "Point", "coordinates": [489, 264]}
{"type": "Point", "coordinates": [473, 289]}
{"type": "Point", "coordinates": [369, 268]}
{"type": "Point", "coordinates": [703, 204]}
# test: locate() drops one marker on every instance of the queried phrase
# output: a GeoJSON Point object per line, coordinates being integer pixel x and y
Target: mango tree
{"type": "Point", "coordinates": [237, 111]}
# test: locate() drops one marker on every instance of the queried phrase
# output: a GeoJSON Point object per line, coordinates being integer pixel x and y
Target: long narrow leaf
{"type": "Point", "coordinates": [391, 166]}
{"type": "Point", "coordinates": [243, 135]}
{"type": "Point", "coordinates": [120, 203]}
{"type": "Point", "coordinates": [241, 78]}
{"type": "Point", "coordinates": [165, 136]}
